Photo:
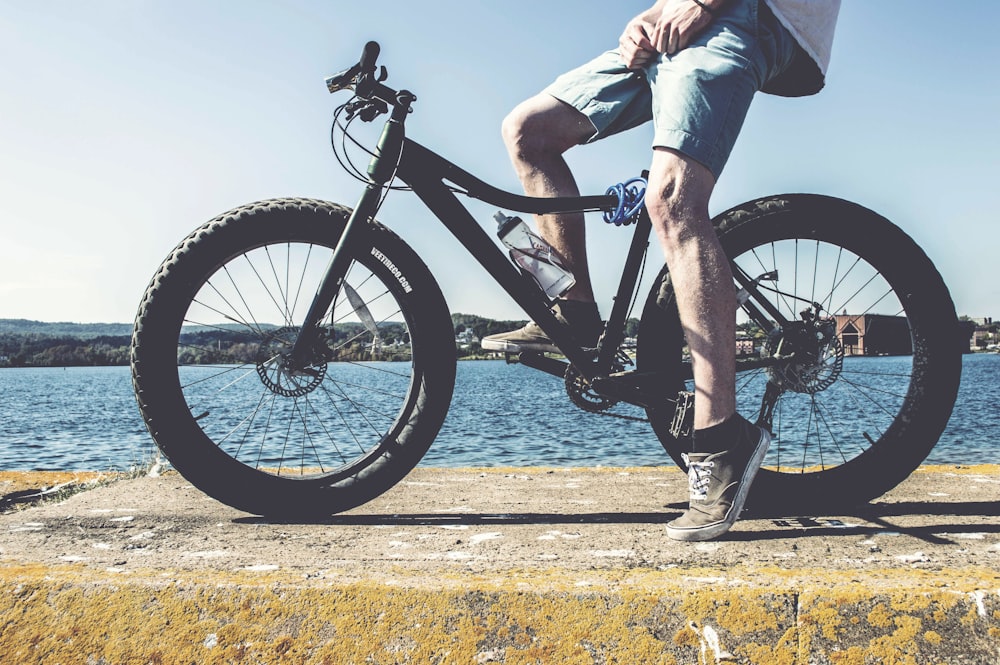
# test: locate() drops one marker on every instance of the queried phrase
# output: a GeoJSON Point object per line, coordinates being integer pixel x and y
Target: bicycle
{"type": "Point", "coordinates": [283, 403]}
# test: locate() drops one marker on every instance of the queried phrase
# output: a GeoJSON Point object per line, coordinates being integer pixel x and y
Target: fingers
{"type": "Point", "coordinates": [676, 27]}
{"type": "Point", "coordinates": [635, 46]}
{"type": "Point", "coordinates": [671, 38]}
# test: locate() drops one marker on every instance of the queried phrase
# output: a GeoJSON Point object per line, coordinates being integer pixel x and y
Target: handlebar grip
{"type": "Point", "coordinates": [368, 57]}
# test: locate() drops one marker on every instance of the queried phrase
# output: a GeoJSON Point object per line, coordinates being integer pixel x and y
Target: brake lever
{"type": "Point", "coordinates": [366, 109]}
{"type": "Point", "coordinates": [373, 110]}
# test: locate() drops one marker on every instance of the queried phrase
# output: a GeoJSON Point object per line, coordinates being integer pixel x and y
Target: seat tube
{"type": "Point", "coordinates": [615, 329]}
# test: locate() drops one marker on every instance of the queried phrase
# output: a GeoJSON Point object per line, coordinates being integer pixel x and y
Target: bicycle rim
{"type": "Point", "coordinates": [328, 419]}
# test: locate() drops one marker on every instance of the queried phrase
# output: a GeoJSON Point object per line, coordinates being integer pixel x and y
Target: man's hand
{"type": "Point", "coordinates": [667, 27]}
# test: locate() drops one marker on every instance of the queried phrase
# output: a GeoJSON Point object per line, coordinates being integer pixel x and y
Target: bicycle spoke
{"type": "Point", "coordinates": [833, 282]}
{"type": "Point", "coordinates": [273, 418]}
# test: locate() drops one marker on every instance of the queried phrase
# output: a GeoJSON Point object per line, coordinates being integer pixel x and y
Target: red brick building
{"type": "Point", "coordinates": [874, 335]}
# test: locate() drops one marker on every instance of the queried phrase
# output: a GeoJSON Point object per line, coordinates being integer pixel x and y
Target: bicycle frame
{"type": "Point", "coordinates": [427, 173]}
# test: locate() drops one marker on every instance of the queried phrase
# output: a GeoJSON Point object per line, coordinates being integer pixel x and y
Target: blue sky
{"type": "Point", "coordinates": [124, 124]}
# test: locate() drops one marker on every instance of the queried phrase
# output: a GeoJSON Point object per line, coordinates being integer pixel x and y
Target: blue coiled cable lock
{"type": "Point", "coordinates": [631, 196]}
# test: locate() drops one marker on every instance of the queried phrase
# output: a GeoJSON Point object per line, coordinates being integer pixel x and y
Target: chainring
{"type": "Point", "coordinates": [583, 395]}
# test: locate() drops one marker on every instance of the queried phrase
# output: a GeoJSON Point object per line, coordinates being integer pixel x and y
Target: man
{"type": "Point", "coordinates": [692, 67]}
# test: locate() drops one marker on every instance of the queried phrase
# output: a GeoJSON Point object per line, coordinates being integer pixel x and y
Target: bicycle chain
{"type": "Point", "coordinates": [579, 393]}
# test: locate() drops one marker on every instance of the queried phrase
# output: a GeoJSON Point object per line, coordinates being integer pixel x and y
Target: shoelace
{"type": "Point", "coordinates": [699, 476]}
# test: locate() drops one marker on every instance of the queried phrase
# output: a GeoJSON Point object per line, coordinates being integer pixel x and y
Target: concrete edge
{"type": "Point", "coordinates": [71, 613]}
{"type": "Point", "coordinates": [60, 614]}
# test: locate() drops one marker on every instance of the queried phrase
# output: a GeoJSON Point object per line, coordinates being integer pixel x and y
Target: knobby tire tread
{"type": "Point", "coordinates": [198, 458]}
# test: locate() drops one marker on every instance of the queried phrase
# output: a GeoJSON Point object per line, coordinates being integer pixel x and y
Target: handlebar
{"type": "Point", "coordinates": [358, 76]}
{"type": "Point", "coordinates": [368, 57]}
{"type": "Point", "coordinates": [362, 79]}
{"type": "Point", "coordinates": [352, 76]}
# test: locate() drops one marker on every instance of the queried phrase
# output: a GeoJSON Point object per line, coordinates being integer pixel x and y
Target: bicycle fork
{"type": "Point", "coordinates": [380, 171]}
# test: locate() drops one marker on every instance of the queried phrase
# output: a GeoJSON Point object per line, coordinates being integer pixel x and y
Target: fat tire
{"type": "Point", "coordinates": [200, 459]}
{"type": "Point", "coordinates": [933, 384]}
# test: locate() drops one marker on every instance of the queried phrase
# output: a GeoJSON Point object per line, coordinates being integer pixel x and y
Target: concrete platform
{"type": "Point", "coordinates": [499, 566]}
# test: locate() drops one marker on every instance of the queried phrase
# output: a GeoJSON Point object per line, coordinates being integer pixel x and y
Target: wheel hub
{"type": "Point", "coordinates": [816, 356]}
{"type": "Point", "coordinates": [276, 371]}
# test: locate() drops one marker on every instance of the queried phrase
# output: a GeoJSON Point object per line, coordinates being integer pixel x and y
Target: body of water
{"type": "Point", "coordinates": [501, 415]}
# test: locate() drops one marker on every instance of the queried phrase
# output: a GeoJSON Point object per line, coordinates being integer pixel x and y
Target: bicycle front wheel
{"type": "Point", "coordinates": [866, 361]}
{"type": "Point", "coordinates": [246, 428]}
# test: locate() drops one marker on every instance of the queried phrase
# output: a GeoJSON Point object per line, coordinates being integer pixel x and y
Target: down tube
{"type": "Point", "coordinates": [443, 203]}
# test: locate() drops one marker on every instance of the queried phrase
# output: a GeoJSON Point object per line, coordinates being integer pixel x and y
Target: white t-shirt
{"type": "Point", "coordinates": [812, 23]}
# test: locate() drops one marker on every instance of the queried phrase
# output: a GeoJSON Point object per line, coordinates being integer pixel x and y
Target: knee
{"type": "Point", "coordinates": [678, 213]}
{"type": "Point", "coordinates": [542, 127]}
{"type": "Point", "coordinates": [677, 197]}
{"type": "Point", "coordinates": [668, 203]}
{"type": "Point", "coordinates": [520, 132]}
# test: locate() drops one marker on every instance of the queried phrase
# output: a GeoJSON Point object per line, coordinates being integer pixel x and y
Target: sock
{"type": "Point", "coordinates": [579, 313]}
{"type": "Point", "coordinates": [718, 438]}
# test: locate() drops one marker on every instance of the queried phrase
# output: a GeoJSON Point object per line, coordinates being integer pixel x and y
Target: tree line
{"type": "Point", "coordinates": [35, 350]}
{"type": "Point", "coordinates": [352, 341]}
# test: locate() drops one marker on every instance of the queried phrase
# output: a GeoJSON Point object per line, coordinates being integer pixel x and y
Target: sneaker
{"type": "Point", "coordinates": [719, 484]}
{"type": "Point", "coordinates": [583, 318]}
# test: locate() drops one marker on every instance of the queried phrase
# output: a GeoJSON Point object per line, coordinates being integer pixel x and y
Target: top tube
{"type": "Point", "coordinates": [421, 162]}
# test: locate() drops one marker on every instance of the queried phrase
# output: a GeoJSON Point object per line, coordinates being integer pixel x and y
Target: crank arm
{"type": "Point", "coordinates": [642, 389]}
{"type": "Point", "coordinates": [544, 363]}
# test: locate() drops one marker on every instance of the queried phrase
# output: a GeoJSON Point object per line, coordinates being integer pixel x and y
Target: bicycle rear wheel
{"type": "Point", "coordinates": [247, 429]}
{"type": "Point", "coordinates": [871, 331]}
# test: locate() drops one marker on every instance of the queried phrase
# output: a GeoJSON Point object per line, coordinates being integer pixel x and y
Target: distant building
{"type": "Point", "coordinates": [744, 345]}
{"type": "Point", "coordinates": [874, 335]}
{"type": "Point", "coordinates": [466, 338]}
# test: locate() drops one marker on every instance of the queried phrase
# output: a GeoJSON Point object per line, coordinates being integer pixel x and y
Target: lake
{"type": "Point", "coordinates": [85, 418]}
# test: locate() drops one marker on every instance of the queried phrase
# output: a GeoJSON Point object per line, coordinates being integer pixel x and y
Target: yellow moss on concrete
{"type": "Point", "coordinates": [905, 626]}
{"type": "Point", "coordinates": [18, 481]}
{"type": "Point", "coordinates": [880, 617]}
{"type": "Point", "coordinates": [57, 614]}
{"type": "Point", "coordinates": [961, 469]}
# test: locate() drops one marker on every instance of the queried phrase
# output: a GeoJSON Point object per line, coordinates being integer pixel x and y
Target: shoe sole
{"type": "Point", "coordinates": [517, 347]}
{"type": "Point", "coordinates": [716, 529]}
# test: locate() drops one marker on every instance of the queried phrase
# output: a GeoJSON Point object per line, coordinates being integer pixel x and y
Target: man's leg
{"type": "Point", "coordinates": [677, 200]}
{"type": "Point", "coordinates": [728, 450]}
{"type": "Point", "coordinates": [537, 133]}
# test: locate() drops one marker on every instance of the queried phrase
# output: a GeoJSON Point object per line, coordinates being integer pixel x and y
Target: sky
{"type": "Point", "coordinates": [125, 124]}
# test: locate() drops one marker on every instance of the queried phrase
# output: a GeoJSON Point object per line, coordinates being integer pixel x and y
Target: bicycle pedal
{"type": "Point", "coordinates": [682, 424]}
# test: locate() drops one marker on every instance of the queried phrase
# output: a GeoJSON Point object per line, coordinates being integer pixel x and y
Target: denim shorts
{"type": "Point", "coordinates": [697, 98]}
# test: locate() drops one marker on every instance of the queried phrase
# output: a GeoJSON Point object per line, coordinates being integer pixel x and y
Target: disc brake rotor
{"type": "Point", "coordinates": [817, 361]}
{"type": "Point", "coordinates": [274, 371]}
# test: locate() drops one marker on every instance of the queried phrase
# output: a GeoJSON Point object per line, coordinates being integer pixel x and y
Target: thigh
{"type": "Point", "coordinates": [547, 123]}
{"type": "Point", "coordinates": [612, 97]}
{"type": "Point", "coordinates": [701, 95]}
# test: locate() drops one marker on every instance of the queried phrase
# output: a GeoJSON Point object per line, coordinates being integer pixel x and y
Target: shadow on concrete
{"type": "Point", "coordinates": [866, 520]}
{"type": "Point", "coordinates": [444, 519]}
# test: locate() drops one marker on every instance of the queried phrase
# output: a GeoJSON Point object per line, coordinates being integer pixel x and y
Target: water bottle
{"type": "Point", "coordinates": [534, 256]}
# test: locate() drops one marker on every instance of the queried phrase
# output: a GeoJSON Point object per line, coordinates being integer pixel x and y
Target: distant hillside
{"type": "Point", "coordinates": [25, 343]}
{"type": "Point", "coordinates": [75, 330]}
